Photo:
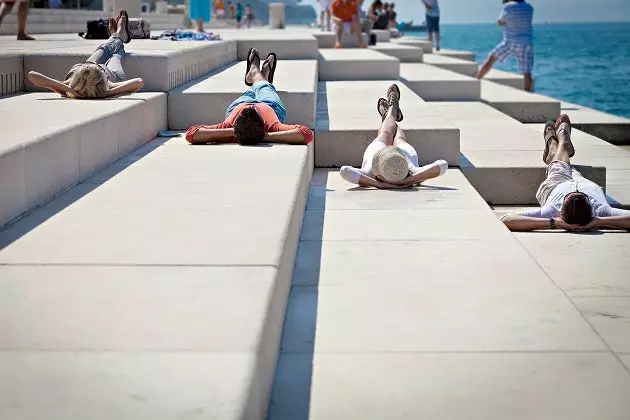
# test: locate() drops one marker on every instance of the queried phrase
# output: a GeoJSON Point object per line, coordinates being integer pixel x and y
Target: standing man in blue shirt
{"type": "Point", "coordinates": [433, 21]}
{"type": "Point", "coordinates": [518, 38]}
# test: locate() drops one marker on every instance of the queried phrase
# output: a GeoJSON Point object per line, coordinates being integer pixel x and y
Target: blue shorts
{"type": "Point", "coordinates": [261, 92]}
{"type": "Point", "coordinates": [524, 53]}
{"type": "Point", "coordinates": [433, 23]}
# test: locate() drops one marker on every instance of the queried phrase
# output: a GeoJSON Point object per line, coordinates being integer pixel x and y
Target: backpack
{"type": "Point", "coordinates": [96, 29]}
{"type": "Point", "coordinates": [139, 29]}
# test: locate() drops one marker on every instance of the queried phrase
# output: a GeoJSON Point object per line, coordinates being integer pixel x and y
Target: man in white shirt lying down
{"type": "Point", "coordinates": [389, 161]}
{"type": "Point", "coordinates": [567, 200]}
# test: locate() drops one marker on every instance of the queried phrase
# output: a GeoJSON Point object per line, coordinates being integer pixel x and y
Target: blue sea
{"type": "Point", "coordinates": [583, 63]}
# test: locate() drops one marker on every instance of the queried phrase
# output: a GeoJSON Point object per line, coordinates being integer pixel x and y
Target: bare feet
{"type": "Point", "coordinates": [112, 26]}
{"type": "Point", "coordinates": [122, 23]}
{"type": "Point", "coordinates": [254, 59]}
{"type": "Point", "coordinates": [24, 37]}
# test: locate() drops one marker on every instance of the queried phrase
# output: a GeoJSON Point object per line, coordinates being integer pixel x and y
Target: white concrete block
{"type": "Point", "coordinates": [612, 128]}
{"type": "Point", "coordinates": [163, 67]}
{"type": "Point", "coordinates": [356, 64]}
{"type": "Point", "coordinates": [436, 84]}
{"type": "Point", "coordinates": [286, 44]}
{"type": "Point", "coordinates": [71, 141]}
{"type": "Point", "coordinates": [465, 67]}
{"type": "Point", "coordinates": [404, 53]}
{"type": "Point", "coordinates": [459, 54]}
{"type": "Point", "coordinates": [418, 42]}
{"type": "Point", "coordinates": [521, 105]}
{"type": "Point", "coordinates": [11, 73]}
{"type": "Point", "coordinates": [327, 40]}
{"type": "Point", "coordinates": [347, 121]}
{"type": "Point", "coordinates": [506, 78]}
{"type": "Point", "coordinates": [205, 100]}
{"type": "Point", "coordinates": [382, 35]}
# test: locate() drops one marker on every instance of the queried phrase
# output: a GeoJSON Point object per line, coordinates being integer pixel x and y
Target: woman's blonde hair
{"type": "Point", "coordinates": [390, 164]}
{"type": "Point", "coordinates": [88, 81]}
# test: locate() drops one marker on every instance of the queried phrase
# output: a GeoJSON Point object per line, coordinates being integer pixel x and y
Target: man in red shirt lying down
{"type": "Point", "coordinates": [258, 115]}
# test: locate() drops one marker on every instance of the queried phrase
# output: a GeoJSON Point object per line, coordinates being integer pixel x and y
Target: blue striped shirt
{"type": "Point", "coordinates": [518, 22]}
{"type": "Point", "coordinates": [434, 11]}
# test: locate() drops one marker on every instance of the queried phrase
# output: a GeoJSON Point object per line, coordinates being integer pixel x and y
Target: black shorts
{"type": "Point", "coordinates": [433, 23]}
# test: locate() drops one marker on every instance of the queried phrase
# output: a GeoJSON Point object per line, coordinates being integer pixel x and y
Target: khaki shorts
{"type": "Point", "coordinates": [557, 173]}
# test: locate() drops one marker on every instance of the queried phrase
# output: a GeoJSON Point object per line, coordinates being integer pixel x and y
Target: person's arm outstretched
{"type": "Point", "coordinates": [124, 88]}
{"type": "Point", "coordinates": [519, 223]}
{"type": "Point", "coordinates": [612, 222]}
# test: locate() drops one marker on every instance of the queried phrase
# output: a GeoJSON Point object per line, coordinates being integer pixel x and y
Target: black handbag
{"type": "Point", "coordinates": [96, 29]}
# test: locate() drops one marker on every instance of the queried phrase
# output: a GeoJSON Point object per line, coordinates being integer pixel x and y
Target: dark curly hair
{"type": "Point", "coordinates": [576, 209]}
{"type": "Point", "coordinates": [249, 127]}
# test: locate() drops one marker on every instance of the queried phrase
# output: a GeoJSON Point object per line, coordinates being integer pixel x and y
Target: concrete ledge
{"type": "Point", "coordinates": [612, 128]}
{"type": "Point", "coordinates": [181, 276]}
{"type": "Point", "coordinates": [205, 100]}
{"type": "Point", "coordinates": [404, 53]}
{"type": "Point", "coordinates": [523, 106]}
{"type": "Point", "coordinates": [286, 44]}
{"type": "Point", "coordinates": [382, 35]}
{"type": "Point", "coordinates": [436, 84]}
{"type": "Point", "coordinates": [460, 55]}
{"type": "Point", "coordinates": [506, 78]}
{"type": "Point", "coordinates": [11, 73]}
{"type": "Point", "coordinates": [467, 68]}
{"type": "Point", "coordinates": [344, 128]}
{"type": "Point", "coordinates": [327, 40]}
{"type": "Point", "coordinates": [356, 64]}
{"type": "Point", "coordinates": [163, 67]}
{"type": "Point", "coordinates": [423, 43]}
{"type": "Point", "coordinates": [71, 140]}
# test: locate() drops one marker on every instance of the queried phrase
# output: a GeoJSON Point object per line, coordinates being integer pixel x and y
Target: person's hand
{"type": "Point", "coordinates": [561, 224]}
{"type": "Point", "coordinates": [391, 186]}
{"type": "Point", "coordinates": [593, 224]}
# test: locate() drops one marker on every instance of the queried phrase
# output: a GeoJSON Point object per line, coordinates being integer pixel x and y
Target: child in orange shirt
{"type": "Point", "coordinates": [345, 14]}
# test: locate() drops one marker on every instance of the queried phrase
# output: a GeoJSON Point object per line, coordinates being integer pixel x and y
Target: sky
{"type": "Point", "coordinates": [487, 11]}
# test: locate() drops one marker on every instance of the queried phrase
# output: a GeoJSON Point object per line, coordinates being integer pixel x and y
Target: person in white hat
{"type": "Point", "coordinates": [389, 161]}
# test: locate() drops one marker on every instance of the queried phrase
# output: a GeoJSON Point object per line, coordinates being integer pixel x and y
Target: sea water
{"type": "Point", "coordinates": [582, 63]}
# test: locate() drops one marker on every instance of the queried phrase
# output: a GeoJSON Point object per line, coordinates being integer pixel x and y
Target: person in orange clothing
{"type": "Point", "coordinates": [258, 115]}
{"type": "Point", "coordinates": [345, 14]}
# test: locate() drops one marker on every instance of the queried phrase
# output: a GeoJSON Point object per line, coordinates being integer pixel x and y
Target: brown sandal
{"type": "Point", "coordinates": [563, 123]}
{"type": "Point", "coordinates": [393, 97]}
{"type": "Point", "coordinates": [382, 106]}
{"type": "Point", "coordinates": [550, 135]}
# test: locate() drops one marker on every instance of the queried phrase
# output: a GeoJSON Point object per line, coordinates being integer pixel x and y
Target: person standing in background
{"type": "Point", "coordinates": [324, 14]}
{"type": "Point", "coordinates": [433, 21]}
{"type": "Point", "coordinates": [345, 15]}
{"type": "Point", "coordinates": [5, 8]}
{"type": "Point", "coordinates": [239, 15]}
{"type": "Point", "coordinates": [392, 16]}
{"type": "Point", "coordinates": [518, 40]}
{"type": "Point", "coordinates": [200, 12]}
{"type": "Point", "coordinates": [249, 16]}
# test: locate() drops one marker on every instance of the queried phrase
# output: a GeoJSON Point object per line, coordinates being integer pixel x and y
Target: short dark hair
{"type": "Point", "coordinates": [576, 209]}
{"type": "Point", "coordinates": [249, 127]}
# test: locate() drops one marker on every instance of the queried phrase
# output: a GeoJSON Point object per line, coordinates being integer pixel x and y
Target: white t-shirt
{"type": "Point", "coordinates": [595, 194]}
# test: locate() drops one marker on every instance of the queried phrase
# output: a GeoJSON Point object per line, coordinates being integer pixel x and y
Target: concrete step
{"type": "Point", "coordinates": [356, 64]}
{"type": "Point", "coordinates": [415, 42]}
{"type": "Point", "coordinates": [593, 151]}
{"type": "Point", "coordinates": [465, 67]}
{"type": "Point", "coordinates": [506, 78]}
{"type": "Point", "coordinates": [612, 128]}
{"type": "Point", "coordinates": [11, 73]}
{"type": "Point", "coordinates": [382, 35]}
{"type": "Point", "coordinates": [404, 53]}
{"type": "Point", "coordinates": [163, 65]}
{"type": "Point", "coordinates": [286, 44]}
{"type": "Point", "coordinates": [327, 40]}
{"type": "Point", "coordinates": [140, 268]}
{"type": "Point", "coordinates": [393, 315]}
{"type": "Point", "coordinates": [205, 100]}
{"type": "Point", "coordinates": [501, 157]}
{"type": "Point", "coordinates": [347, 121]}
{"type": "Point", "coordinates": [49, 143]}
{"type": "Point", "coordinates": [459, 54]}
{"type": "Point", "coordinates": [521, 105]}
{"type": "Point", "coordinates": [436, 84]}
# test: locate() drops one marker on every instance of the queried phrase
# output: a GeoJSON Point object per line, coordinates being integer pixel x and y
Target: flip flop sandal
{"type": "Point", "coordinates": [249, 65]}
{"type": "Point", "coordinates": [382, 106]}
{"type": "Point", "coordinates": [563, 123]}
{"type": "Point", "coordinates": [272, 70]}
{"type": "Point", "coordinates": [550, 135]}
{"type": "Point", "coordinates": [126, 15]}
{"type": "Point", "coordinates": [395, 90]}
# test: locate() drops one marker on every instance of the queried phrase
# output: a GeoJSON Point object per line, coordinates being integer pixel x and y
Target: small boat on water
{"type": "Point", "coordinates": [410, 27]}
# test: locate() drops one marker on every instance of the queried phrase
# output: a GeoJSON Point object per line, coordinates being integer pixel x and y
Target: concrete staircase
{"type": "Point", "coordinates": [142, 277]}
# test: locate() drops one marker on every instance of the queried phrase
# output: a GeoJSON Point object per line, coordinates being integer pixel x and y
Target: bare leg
{"type": "Point", "coordinates": [357, 30]}
{"type": "Point", "coordinates": [21, 22]}
{"type": "Point", "coordinates": [322, 15]}
{"type": "Point", "coordinates": [529, 82]}
{"type": "Point", "coordinates": [400, 137]}
{"type": "Point", "coordinates": [199, 25]}
{"type": "Point", "coordinates": [338, 34]}
{"type": "Point", "coordinates": [328, 20]}
{"type": "Point", "coordinates": [388, 129]}
{"type": "Point", "coordinates": [485, 68]}
{"type": "Point", "coordinates": [560, 152]}
{"type": "Point", "coordinates": [431, 38]}
{"type": "Point", "coordinates": [437, 41]}
{"type": "Point", "coordinates": [5, 9]}
{"type": "Point", "coordinates": [255, 75]}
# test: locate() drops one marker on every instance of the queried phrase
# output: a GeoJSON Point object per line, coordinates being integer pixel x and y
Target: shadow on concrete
{"type": "Point", "coordinates": [291, 395]}
{"type": "Point", "coordinates": [28, 221]}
